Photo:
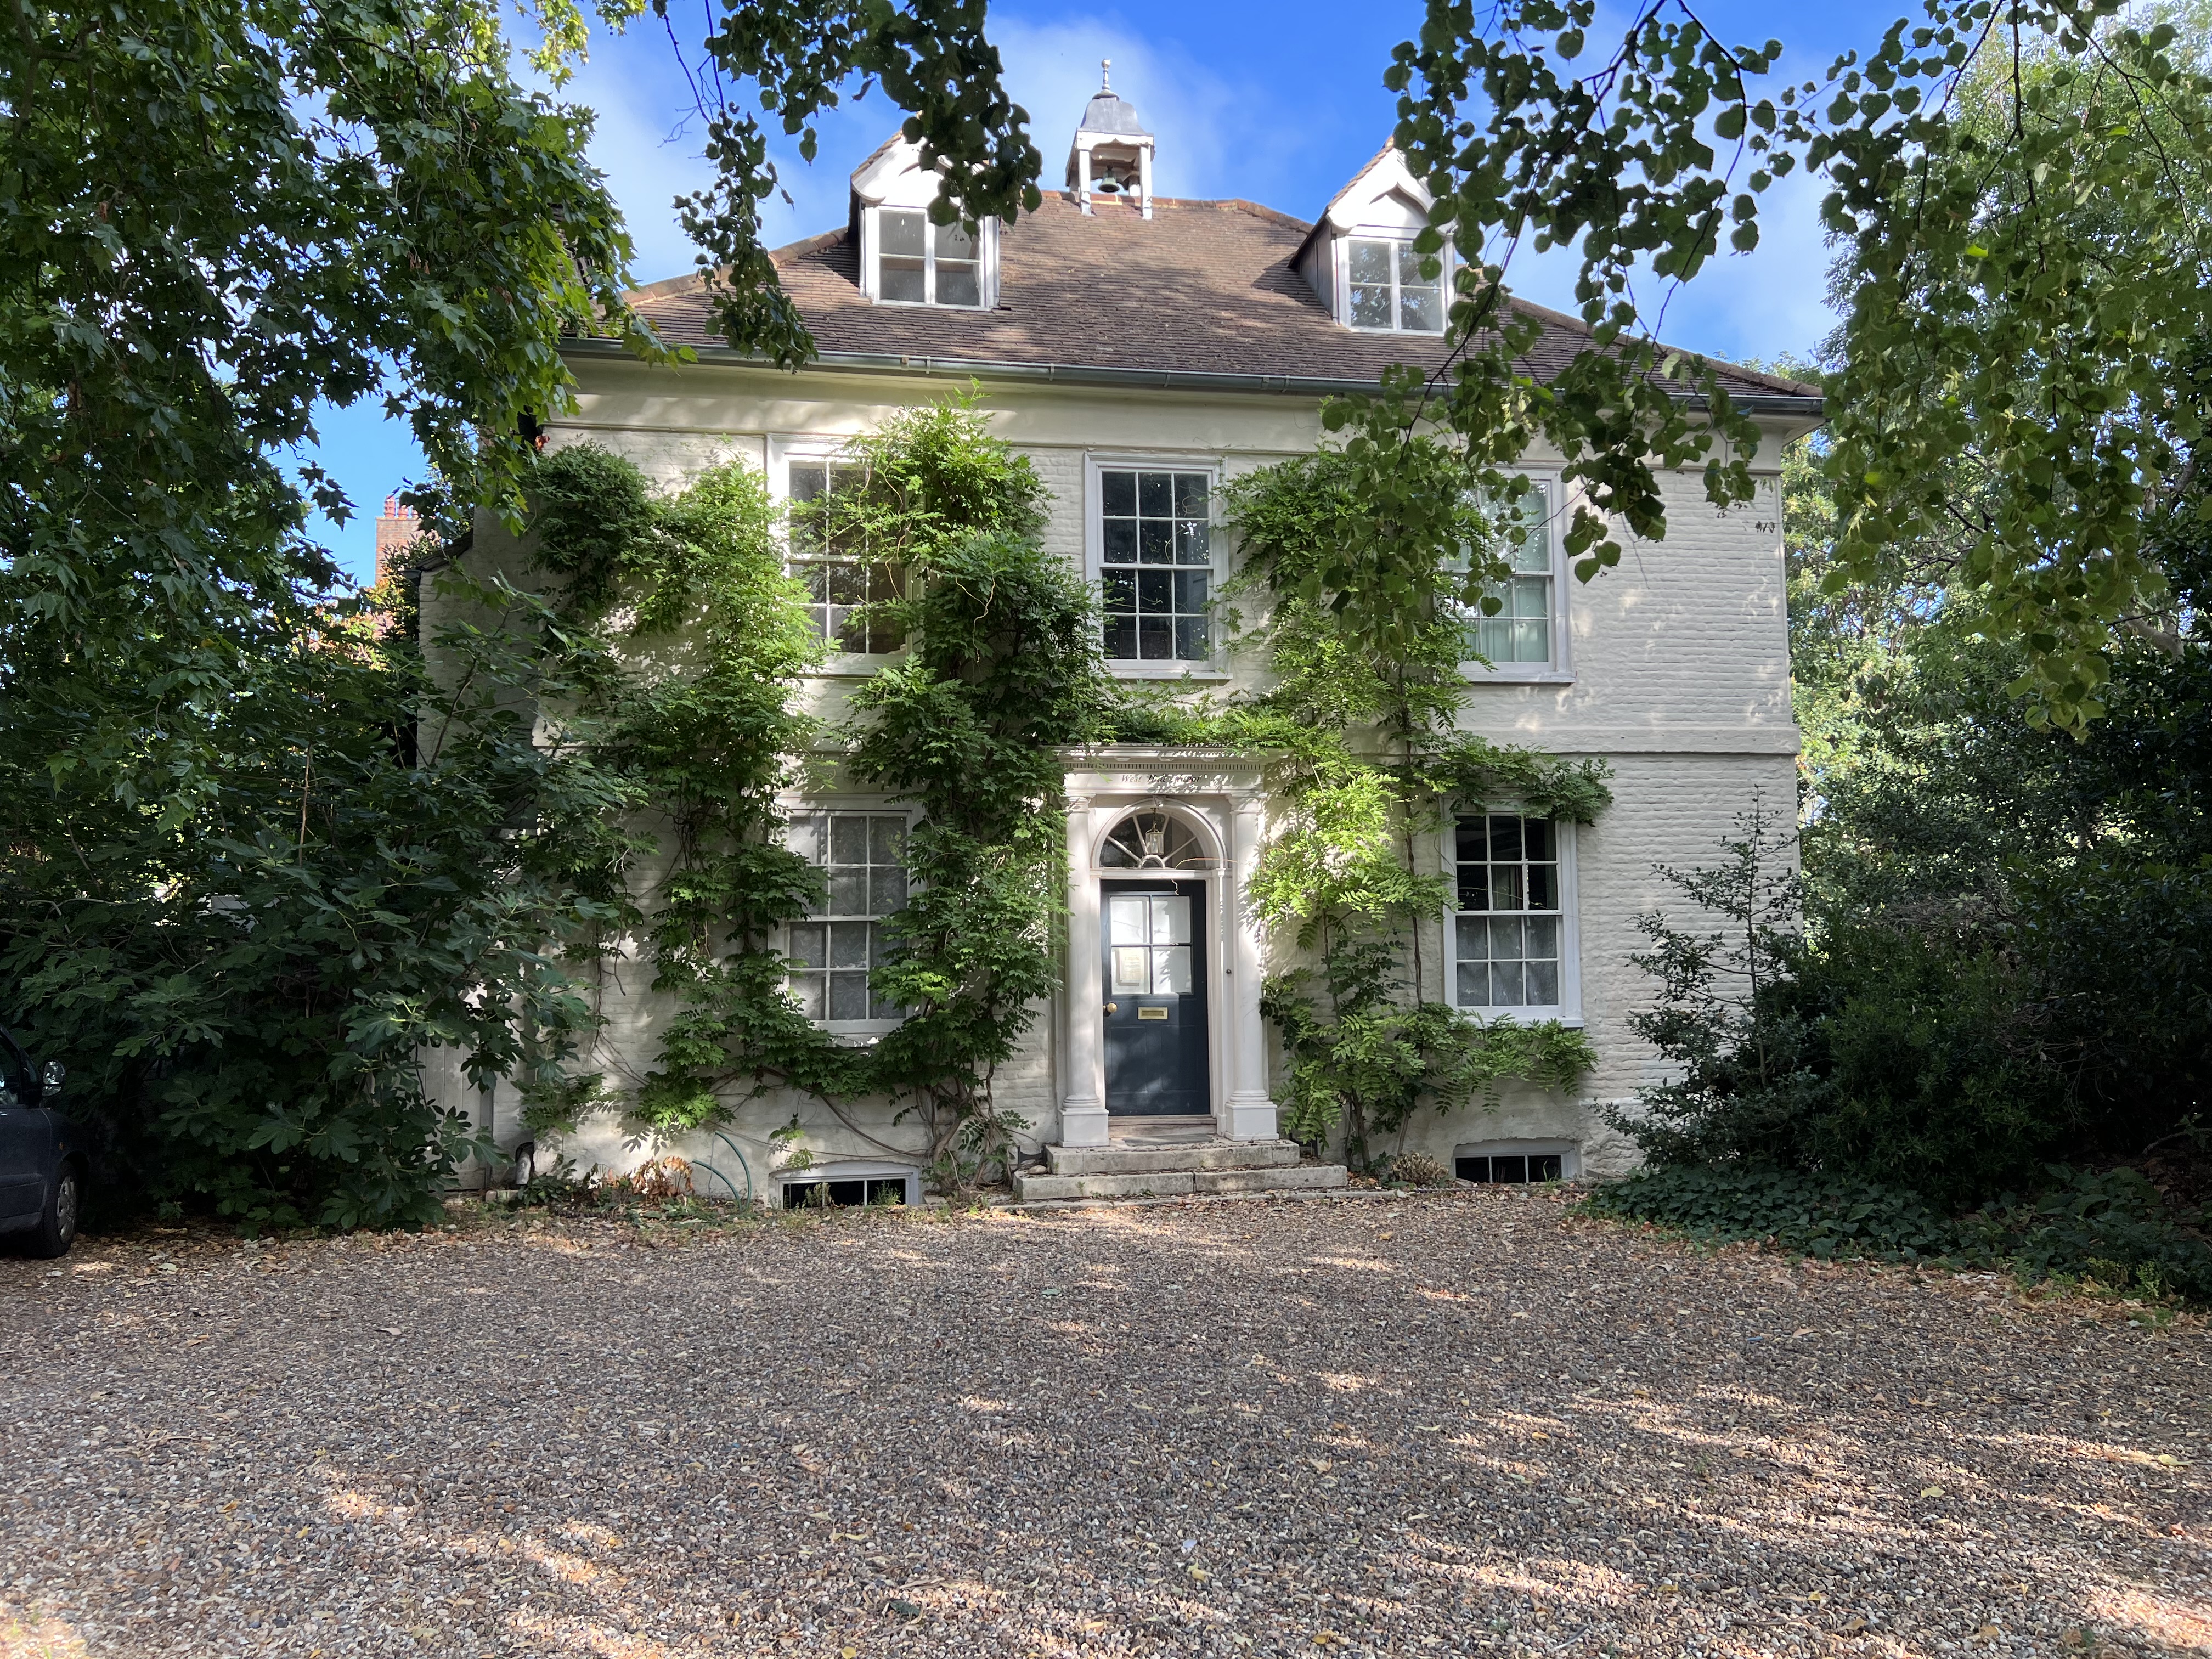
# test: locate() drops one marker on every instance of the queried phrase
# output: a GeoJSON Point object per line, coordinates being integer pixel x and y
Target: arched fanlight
{"type": "Point", "coordinates": [1151, 838]}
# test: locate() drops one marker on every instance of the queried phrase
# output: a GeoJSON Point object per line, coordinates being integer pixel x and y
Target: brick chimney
{"type": "Point", "coordinates": [396, 528]}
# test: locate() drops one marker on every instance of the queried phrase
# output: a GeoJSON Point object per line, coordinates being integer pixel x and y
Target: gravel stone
{"type": "Point", "coordinates": [1459, 1423]}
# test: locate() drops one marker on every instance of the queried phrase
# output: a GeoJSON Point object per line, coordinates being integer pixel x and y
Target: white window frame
{"type": "Point", "coordinates": [1402, 242]}
{"type": "Point", "coordinates": [850, 1169]}
{"type": "Point", "coordinates": [855, 1032]}
{"type": "Point", "coordinates": [1569, 1152]}
{"type": "Point", "coordinates": [782, 451]}
{"type": "Point", "coordinates": [871, 268]}
{"type": "Point", "coordinates": [1213, 667]}
{"type": "Point", "coordinates": [1560, 670]}
{"type": "Point", "coordinates": [1568, 1010]}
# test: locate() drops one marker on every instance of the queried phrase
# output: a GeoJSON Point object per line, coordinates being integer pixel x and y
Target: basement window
{"type": "Point", "coordinates": [861, 1192]}
{"type": "Point", "coordinates": [1509, 1169]}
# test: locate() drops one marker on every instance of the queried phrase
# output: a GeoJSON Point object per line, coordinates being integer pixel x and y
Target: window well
{"type": "Point", "coordinates": [1509, 1169]}
{"type": "Point", "coordinates": [859, 1192]}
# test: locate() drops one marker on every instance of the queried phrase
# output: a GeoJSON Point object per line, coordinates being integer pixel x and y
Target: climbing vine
{"type": "Point", "coordinates": [692, 641]}
{"type": "Point", "coordinates": [1000, 671]}
{"type": "Point", "coordinates": [1362, 619]}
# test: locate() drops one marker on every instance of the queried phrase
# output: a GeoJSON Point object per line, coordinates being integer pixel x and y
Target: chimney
{"type": "Point", "coordinates": [397, 528]}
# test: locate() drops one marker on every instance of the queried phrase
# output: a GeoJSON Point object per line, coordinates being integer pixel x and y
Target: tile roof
{"type": "Point", "coordinates": [1204, 287]}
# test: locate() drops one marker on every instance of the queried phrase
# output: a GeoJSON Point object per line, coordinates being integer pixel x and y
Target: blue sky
{"type": "Point", "coordinates": [1278, 102]}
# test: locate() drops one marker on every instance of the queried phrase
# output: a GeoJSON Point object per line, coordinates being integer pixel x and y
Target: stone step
{"type": "Point", "coordinates": [1154, 1130]}
{"type": "Point", "coordinates": [1178, 1184]}
{"type": "Point", "coordinates": [1125, 1157]}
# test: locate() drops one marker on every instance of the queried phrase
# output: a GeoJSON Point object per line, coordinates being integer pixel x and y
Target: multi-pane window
{"type": "Point", "coordinates": [920, 263]}
{"type": "Point", "coordinates": [1148, 943]}
{"type": "Point", "coordinates": [1156, 564]}
{"type": "Point", "coordinates": [833, 951]}
{"type": "Point", "coordinates": [1521, 631]}
{"type": "Point", "coordinates": [836, 583]}
{"type": "Point", "coordinates": [1510, 932]}
{"type": "Point", "coordinates": [1388, 290]}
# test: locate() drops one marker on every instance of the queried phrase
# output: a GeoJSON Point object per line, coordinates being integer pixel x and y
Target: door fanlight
{"type": "Point", "coordinates": [1151, 838]}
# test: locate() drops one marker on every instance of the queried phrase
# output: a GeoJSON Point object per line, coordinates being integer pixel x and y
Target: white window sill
{"type": "Point", "coordinates": [928, 305]}
{"type": "Point", "coordinates": [858, 1033]}
{"type": "Point", "coordinates": [1410, 333]}
{"type": "Point", "coordinates": [1197, 673]}
{"type": "Point", "coordinates": [1515, 674]}
{"type": "Point", "coordinates": [1524, 1015]}
{"type": "Point", "coordinates": [854, 664]}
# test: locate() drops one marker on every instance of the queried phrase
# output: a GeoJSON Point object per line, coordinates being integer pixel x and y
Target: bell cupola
{"type": "Point", "coordinates": [1111, 158]}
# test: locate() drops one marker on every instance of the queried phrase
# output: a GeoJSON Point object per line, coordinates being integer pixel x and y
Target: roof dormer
{"type": "Point", "coordinates": [905, 260]}
{"type": "Point", "coordinates": [1360, 259]}
{"type": "Point", "coordinates": [1111, 157]}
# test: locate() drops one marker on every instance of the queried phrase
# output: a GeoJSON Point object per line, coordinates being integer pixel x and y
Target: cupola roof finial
{"type": "Point", "coordinates": [1112, 153]}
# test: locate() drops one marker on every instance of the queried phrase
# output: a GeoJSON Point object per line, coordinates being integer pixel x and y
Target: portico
{"type": "Point", "coordinates": [1151, 825]}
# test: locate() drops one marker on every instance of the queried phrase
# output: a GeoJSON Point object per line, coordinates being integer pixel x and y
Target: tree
{"type": "Point", "coordinates": [930, 56]}
{"type": "Point", "coordinates": [260, 859]}
{"type": "Point", "coordinates": [2021, 194]}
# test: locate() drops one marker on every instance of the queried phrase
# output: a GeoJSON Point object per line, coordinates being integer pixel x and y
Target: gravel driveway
{"type": "Point", "coordinates": [1451, 1423]}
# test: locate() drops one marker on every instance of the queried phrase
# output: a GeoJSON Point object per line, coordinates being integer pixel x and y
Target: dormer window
{"type": "Point", "coordinates": [1359, 260]}
{"type": "Point", "coordinates": [905, 260]}
{"type": "Point", "coordinates": [924, 265]}
{"type": "Point", "coordinates": [1385, 289]}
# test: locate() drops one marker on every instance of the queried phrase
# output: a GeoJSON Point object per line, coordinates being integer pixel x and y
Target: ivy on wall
{"type": "Point", "coordinates": [1001, 672]}
{"type": "Point", "coordinates": [692, 641]}
{"type": "Point", "coordinates": [1363, 618]}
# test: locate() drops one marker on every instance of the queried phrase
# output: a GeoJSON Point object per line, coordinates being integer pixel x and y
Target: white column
{"type": "Point", "coordinates": [1145, 178]}
{"type": "Point", "coordinates": [1082, 1107]}
{"type": "Point", "coordinates": [1082, 177]}
{"type": "Point", "coordinates": [1251, 1114]}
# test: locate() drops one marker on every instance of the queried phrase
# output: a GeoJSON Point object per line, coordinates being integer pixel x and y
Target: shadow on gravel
{"type": "Point", "coordinates": [1457, 1424]}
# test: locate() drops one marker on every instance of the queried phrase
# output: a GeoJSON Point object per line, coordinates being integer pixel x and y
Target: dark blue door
{"type": "Point", "coordinates": [1155, 980]}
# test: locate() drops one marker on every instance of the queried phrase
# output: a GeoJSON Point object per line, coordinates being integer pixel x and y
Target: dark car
{"type": "Point", "coordinates": [41, 1170]}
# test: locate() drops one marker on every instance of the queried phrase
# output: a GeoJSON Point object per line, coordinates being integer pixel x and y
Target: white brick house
{"type": "Point", "coordinates": [1139, 350]}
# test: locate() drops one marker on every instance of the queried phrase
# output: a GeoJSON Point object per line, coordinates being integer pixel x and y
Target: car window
{"type": "Point", "coordinates": [15, 1074]}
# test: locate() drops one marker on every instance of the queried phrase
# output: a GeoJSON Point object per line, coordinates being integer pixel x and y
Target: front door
{"type": "Point", "coordinates": [1155, 980]}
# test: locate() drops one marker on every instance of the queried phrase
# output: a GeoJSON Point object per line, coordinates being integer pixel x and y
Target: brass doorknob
{"type": "Point", "coordinates": [1112, 1007]}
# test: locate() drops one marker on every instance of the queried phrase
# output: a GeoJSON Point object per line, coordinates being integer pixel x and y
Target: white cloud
{"type": "Point", "coordinates": [1771, 300]}
{"type": "Point", "coordinates": [1215, 136]}
{"type": "Point", "coordinates": [1203, 124]}
{"type": "Point", "coordinates": [649, 139]}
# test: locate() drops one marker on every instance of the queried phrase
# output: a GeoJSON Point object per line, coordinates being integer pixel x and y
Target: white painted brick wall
{"type": "Point", "coordinates": [1681, 684]}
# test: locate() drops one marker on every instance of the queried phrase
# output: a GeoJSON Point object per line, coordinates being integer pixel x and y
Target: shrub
{"type": "Point", "coordinates": [1420, 1169]}
{"type": "Point", "coordinates": [2112, 1227]}
{"type": "Point", "coordinates": [1812, 1215]}
{"type": "Point", "coordinates": [1915, 1059]}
